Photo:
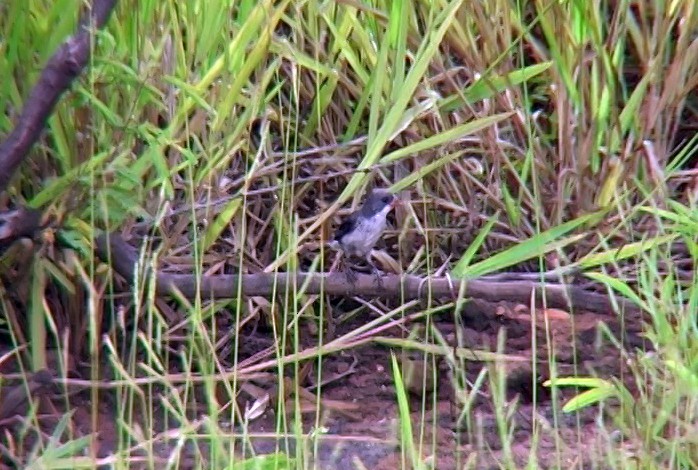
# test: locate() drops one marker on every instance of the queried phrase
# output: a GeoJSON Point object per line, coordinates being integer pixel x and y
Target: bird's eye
{"type": "Point", "coordinates": [387, 199]}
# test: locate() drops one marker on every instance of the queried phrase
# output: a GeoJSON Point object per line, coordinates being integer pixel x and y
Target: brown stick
{"type": "Point", "coordinates": [18, 223]}
{"type": "Point", "coordinates": [62, 68]}
{"type": "Point", "coordinates": [112, 249]}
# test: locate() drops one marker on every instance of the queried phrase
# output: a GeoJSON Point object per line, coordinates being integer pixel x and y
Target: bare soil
{"type": "Point", "coordinates": [358, 415]}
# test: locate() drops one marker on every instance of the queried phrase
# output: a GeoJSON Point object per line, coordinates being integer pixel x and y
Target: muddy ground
{"type": "Point", "coordinates": [359, 412]}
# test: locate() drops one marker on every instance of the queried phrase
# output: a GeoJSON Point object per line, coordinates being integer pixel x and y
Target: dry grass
{"type": "Point", "coordinates": [231, 139]}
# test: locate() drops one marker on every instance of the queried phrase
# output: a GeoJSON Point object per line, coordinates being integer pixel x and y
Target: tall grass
{"type": "Point", "coordinates": [224, 136]}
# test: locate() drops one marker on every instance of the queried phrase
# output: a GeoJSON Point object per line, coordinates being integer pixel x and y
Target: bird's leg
{"type": "Point", "coordinates": [377, 274]}
{"type": "Point", "coordinates": [348, 272]}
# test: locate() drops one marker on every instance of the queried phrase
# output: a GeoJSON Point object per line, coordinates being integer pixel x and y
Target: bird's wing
{"type": "Point", "coordinates": [346, 226]}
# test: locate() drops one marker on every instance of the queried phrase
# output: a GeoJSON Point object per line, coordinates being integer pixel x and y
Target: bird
{"type": "Point", "coordinates": [360, 231]}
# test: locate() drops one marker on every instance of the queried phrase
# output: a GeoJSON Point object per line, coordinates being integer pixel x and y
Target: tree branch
{"type": "Point", "coordinates": [18, 223]}
{"type": "Point", "coordinates": [61, 70]}
{"type": "Point", "coordinates": [113, 250]}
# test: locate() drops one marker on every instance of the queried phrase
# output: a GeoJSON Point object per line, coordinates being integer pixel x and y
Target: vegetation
{"type": "Point", "coordinates": [225, 137]}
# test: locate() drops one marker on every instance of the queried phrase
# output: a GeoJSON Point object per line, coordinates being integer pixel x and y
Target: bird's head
{"type": "Point", "coordinates": [378, 200]}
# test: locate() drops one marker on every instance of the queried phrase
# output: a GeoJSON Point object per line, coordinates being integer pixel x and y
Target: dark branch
{"type": "Point", "coordinates": [112, 249]}
{"type": "Point", "coordinates": [62, 68]}
{"type": "Point", "coordinates": [18, 223]}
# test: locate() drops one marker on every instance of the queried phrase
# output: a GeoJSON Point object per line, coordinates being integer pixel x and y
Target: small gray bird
{"type": "Point", "coordinates": [359, 232]}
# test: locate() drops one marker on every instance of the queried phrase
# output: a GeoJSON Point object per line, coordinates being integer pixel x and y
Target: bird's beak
{"type": "Point", "coordinates": [396, 202]}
